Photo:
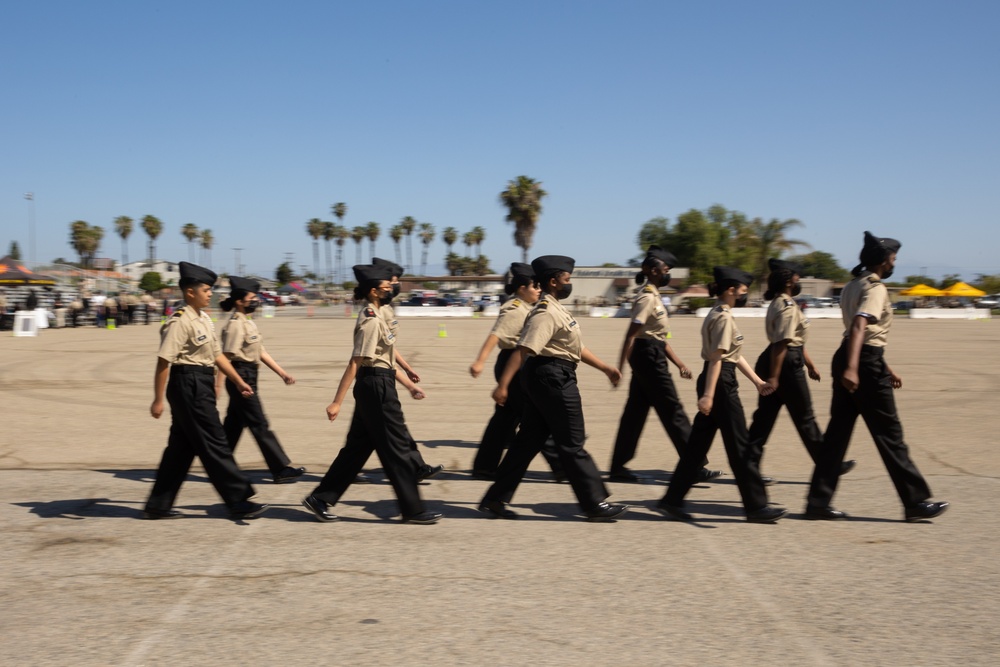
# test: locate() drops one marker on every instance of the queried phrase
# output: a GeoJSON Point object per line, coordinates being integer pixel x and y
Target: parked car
{"type": "Point", "coordinates": [989, 301]}
{"type": "Point", "coordinates": [426, 301]}
{"type": "Point", "coordinates": [807, 301]}
{"type": "Point", "coordinates": [825, 302]}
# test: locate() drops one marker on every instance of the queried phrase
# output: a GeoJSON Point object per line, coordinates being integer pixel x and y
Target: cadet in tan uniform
{"type": "Point", "coordinates": [647, 351]}
{"type": "Point", "coordinates": [189, 352]}
{"type": "Point", "coordinates": [551, 343]}
{"type": "Point", "coordinates": [378, 418]}
{"type": "Point", "coordinates": [243, 345]}
{"type": "Point", "coordinates": [784, 363]}
{"type": "Point", "coordinates": [719, 406]}
{"type": "Point", "coordinates": [863, 385]}
{"type": "Point", "coordinates": [424, 469]}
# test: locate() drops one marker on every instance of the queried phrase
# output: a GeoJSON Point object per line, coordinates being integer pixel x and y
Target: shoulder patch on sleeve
{"type": "Point", "coordinates": [370, 312]}
{"type": "Point", "coordinates": [178, 312]}
{"type": "Point", "coordinates": [789, 302]}
{"type": "Point", "coordinates": [515, 303]}
{"type": "Point", "coordinates": [650, 289]}
{"type": "Point", "coordinates": [542, 305]}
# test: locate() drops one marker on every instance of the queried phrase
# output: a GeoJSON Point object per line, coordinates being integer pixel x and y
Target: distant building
{"type": "Point", "coordinates": [169, 273]}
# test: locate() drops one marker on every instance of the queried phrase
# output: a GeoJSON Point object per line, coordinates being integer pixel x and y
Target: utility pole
{"type": "Point", "coordinates": [30, 196]}
{"type": "Point", "coordinates": [238, 270]}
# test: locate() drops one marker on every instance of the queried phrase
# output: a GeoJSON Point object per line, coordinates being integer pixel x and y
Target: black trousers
{"type": "Point", "coordinates": [195, 430]}
{"type": "Point", "coordinates": [247, 412]}
{"type": "Point", "coordinates": [377, 426]}
{"type": "Point", "coordinates": [651, 387]}
{"type": "Point", "coordinates": [793, 393]}
{"type": "Point", "coordinates": [726, 416]}
{"type": "Point", "coordinates": [875, 402]}
{"type": "Point", "coordinates": [502, 427]}
{"type": "Point", "coordinates": [552, 407]}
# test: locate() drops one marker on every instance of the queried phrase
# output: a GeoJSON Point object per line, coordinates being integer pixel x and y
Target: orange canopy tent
{"type": "Point", "coordinates": [962, 289]}
{"type": "Point", "coordinates": [13, 272]}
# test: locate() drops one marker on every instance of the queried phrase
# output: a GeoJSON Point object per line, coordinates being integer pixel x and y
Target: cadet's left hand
{"type": "Point", "coordinates": [897, 382]}
{"type": "Point", "coordinates": [288, 379]}
{"type": "Point", "coordinates": [685, 372]}
{"type": "Point", "coordinates": [614, 375]}
{"type": "Point", "coordinates": [814, 374]}
{"type": "Point", "coordinates": [414, 378]}
{"type": "Point", "coordinates": [417, 393]}
{"type": "Point", "coordinates": [765, 388]}
{"type": "Point", "coordinates": [245, 389]}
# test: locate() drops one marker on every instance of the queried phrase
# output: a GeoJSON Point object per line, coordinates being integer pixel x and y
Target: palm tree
{"type": "Point", "coordinates": [341, 234]}
{"type": "Point", "coordinates": [153, 228]}
{"type": "Point", "coordinates": [372, 231]}
{"type": "Point", "coordinates": [358, 235]}
{"type": "Point", "coordinates": [207, 240]}
{"type": "Point", "coordinates": [340, 210]}
{"type": "Point", "coordinates": [78, 239]}
{"type": "Point", "coordinates": [329, 233]}
{"type": "Point", "coordinates": [396, 234]}
{"type": "Point", "coordinates": [449, 236]}
{"type": "Point", "coordinates": [770, 241]}
{"type": "Point", "coordinates": [408, 224]}
{"type": "Point", "coordinates": [478, 236]}
{"type": "Point", "coordinates": [523, 199]}
{"type": "Point", "coordinates": [315, 229]}
{"type": "Point", "coordinates": [426, 237]}
{"type": "Point", "coordinates": [190, 232]}
{"type": "Point", "coordinates": [123, 226]}
{"type": "Point", "coordinates": [469, 239]}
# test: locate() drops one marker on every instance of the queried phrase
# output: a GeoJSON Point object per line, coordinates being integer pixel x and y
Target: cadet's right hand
{"type": "Point", "coordinates": [332, 411]}
{"type": "Point", "coordinates": [705, 405]}
{"type": "Point", "coordinates": [156, 409]}
{"type": "Point", "coordinates": [245, 389]}
{"type": "Point", "coordinates": [850, 380]}
{"type": "Point", "coordinates": [475, 369]}
{"type": "Point", "coordinates": [500, 395]}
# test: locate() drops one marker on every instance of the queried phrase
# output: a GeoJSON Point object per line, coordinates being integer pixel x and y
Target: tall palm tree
{"type": "Point", "coordinates": [523, 199]}
{"type": "Point", "coordinates": [372, 231]}
{"type": "Point", "coordinates": [449, 235]}
{"type": "Point", "coordinates": [329, 233]}
{"type": "Point", "coordinates": [123, 226]}
{"type": "Point", "coordinates": [341, 234]}
{"type": "Point", "coordinates": [469, 240]}
{"type": "Point", "coordinates": [340, 210]}
{"type": "Point", "coordinates": [153, 228]}
{"type": "Point", "coordinates": [409, 223]}
{"type": "Point", "coordinates": [396, 234]}
{"type": "Point", "coordinates": [190, 232]}
{"type": "Point", "coordinates": [78, 239]}
{"type": "Point", "coordinates": [315, 229]}
{"type": "Point", "coordinates": [358, 235]}
{"type": "Point", "coordinates": [478, 236]}
{"type": "Point", "coordinates": [207, 241]}
{"type": "Point", "coordinates": [770, 241]}
{"type": "Point", "coordinates": [426, 237]}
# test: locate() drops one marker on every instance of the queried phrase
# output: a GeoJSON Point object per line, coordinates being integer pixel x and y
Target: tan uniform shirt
{"type": "Point", "coordinates": [866, 295]}
{"type": "Point", "coordinates": [719, 332]}
{"type": "Point", "coordinates": [241, 340]}
{"type": "Point", "coordinates": [649, 312]}
{"type": "Point", "coordinates": [786, 321]}
{"type": "Point", "coordinates": [389, 315]}
{"type": "Point", "coordinates": [189, 339]}
{"type": "Point", "coordinates": [374, 340]}
{"type": "Point", "coordinates": [509, 323]}
{"type": "Point", "coordinates": [550, 331]}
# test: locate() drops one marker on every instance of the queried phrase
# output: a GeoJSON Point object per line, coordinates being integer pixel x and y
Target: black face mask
{"type": "Point", "coordinates": [741, 301]}
{"type": "Point", "coordinates": [395, 290]}
{"type": "Point", "coordinates": [664, 279]}
{"type": "Point", "coordinates": [564, 291]}
{"type": "Point", "coordinates": [385, 298]}
{"type": "Point", "coordinates": [887, 274]}
{"type": "Point", "coordinates": [796, 290]}
{"type": "Point", "coordinates": [252, 306]}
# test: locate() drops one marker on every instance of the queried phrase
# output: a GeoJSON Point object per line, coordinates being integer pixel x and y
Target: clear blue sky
{"type": "Point", "coordinates": [249, 118]}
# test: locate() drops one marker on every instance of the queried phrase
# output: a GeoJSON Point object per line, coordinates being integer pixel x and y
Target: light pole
{"type": "Point", "coordinates": [30, 196]}
{"type": "Point", "coordinates": [237, 269]}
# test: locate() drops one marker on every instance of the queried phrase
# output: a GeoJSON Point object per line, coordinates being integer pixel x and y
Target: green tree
{"type": "Point", "coordinates": [342, 233]}
{"type": "Point", "coordinates": [950, 279]}
{"type": "Point", "coordinates": [989, 284]}
{"type": "Point", "coordinates": [819, 264]}
{"type": "Point", "coordinates": [358, 235]}
{"type": "Point", "coordinates": [396, 234]}
{"type": "Point", "coordinates": [920, 280]}
{"type": "Point", "coordinates": [190, 232]}
{"type": "Point", "coordinates": [409, 223]}
{"type": "Point", "coordinates": [153, 228]}
{"type": "Point", "coordinates": [523, 199]}
{"type": "Point", "coordinates": [372, 231]}
{"type": "Point", "coordinates": [283, 274]}
{"type": "Point", "coordinates": [207, 241]}
{"type": "Point", "coordinates": [85, 240]}
{"type": "Point", "coordinates": [449, 235]}
{"type": "Point", "coordinates": [426, 238]}
{"type": "Point", "coordinates": [151, 281]}
{"type": "Point", "coordinates": [15, 250]}
{"type": "Point", "coordinates": [123, 227]}
{"type": "Point", "coordinates": [329, 233]}
{"type": "Point", "coordinates": [478, 236]}
{"type": "Point", "coordinates": [315, 230]}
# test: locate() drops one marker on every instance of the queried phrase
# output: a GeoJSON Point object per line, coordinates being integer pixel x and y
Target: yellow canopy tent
{"type": "Point", "coordinates": [962, 289]}
{"type": "Point", "coordinates": [921, 290]}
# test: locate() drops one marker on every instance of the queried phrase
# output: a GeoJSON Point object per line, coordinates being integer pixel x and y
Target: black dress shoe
{"type": "Point", "coordinates": [923, 511]}
{"type": "Point", "coordinates": [672, 512]}
{"type": "Point", "coordinates": [847, 466]}
{"type": "Point", "coordinates": [766, 515]}
{"type": "Point", "coordinates": [289, 474]}
{"type": "Point", "coordinates": [423, 519]}
{"type": "Point", "coordinates": [319, 508]}
{"type": "Point", "coordinates": [705, 475]}
{"type": "Point", "coordinates": [496, 510]}
{"type": "Point", "coordinates": [624, 475]}
{"type": "Point", "coordinates": [606, 512]}
{"type": "Point", "coordinates": [825, 514]}
{"type": "Point", "coordinates": [246, 509]}
{"type": "Point", "coordinates": [362, 478]}
{"type": "Point", "coordinates": [426, 472]}
{"type": "Point", "coordinates": [152, 514]}
{"type": "Point", "coordinates": [768, 481]}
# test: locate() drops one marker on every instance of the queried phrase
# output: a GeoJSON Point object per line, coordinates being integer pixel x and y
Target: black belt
{"type": "Point", "coordinates": [540, 361]}
{"type": "Point", "coordinates": [653, 342]}
{"type": "Point", "coordinates": [239, 363]}
{"type": "Point", "coordinates": [372, 370]}
{"type": "Point", "coordinates": [190, 368]}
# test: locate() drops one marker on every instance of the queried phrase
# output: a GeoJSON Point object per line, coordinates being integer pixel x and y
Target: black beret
{"type": "Point", "coordinates": [873, 242]}
{"type": "Point", "coordinates": [521, 270]}
{"type": "Point", "coordinates": [724, 273]}
{"type": "Point", "coordinates": [664, 256]}
{"type": "Point", "coordinates": [194, 273]}
{"type": "Point", "coordinates": [245, 284]}
{"type": "Point", "coordinates": [369, 272]}
{"type": "Point", "coordinates": [396, 269]}
{"type": "Point", "coordinates": [784, 265]}
{"type": "Point", "coordinates": [549, 264]}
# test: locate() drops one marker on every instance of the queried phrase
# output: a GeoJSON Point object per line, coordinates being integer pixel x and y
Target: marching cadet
{"type": "Point", "coordinates": [784, 363]}
{"type": "Point", "coordinates": [243, 345]}
{"type": "Point", "coordinates": [188, 353]}
{"type": "Point", "coordinates": [424, 470]}
{"type": "Point", "coordinates": [502, 427]}
{"type": "Point", "coordinates": [719, 407]}
{"type": "Point", "coordinates": [647, 351]}
{"type": "Point", "coordinates": [551, 343]}
{"type": "Point", "coordinates": [378, 418]}
{"type": "Point", "coordinates": [863, 385]}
